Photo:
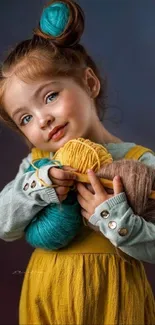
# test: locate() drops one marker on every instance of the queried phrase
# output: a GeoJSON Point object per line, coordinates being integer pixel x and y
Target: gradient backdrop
{"type": "Point", "coordinates": [120, 35]}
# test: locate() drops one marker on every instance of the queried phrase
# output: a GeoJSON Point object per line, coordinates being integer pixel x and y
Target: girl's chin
{"type": "Point", "coordinates": [54, 146]}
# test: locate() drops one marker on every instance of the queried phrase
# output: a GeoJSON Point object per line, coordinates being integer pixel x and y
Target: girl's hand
{"type": "Point", "coordinates": [89, 199]}
{"type": "Point", "coordinates": [64, 178]}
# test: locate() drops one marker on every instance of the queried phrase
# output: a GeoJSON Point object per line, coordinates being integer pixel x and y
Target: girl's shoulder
{"type": "Point", "coordinates": [119, 150]}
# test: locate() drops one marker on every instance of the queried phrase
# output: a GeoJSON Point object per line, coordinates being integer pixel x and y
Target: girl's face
{"type": "Point", "coordinates": [51, 112]}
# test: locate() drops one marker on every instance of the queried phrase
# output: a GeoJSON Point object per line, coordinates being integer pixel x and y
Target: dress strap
{"type": "Point", "coordinates": [136, 152]}
{"type": "Point", "coordinates": [39, 154]}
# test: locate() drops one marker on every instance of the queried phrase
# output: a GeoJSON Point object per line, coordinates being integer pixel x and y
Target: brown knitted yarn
{"type": "Point", "coordinates": [138, 180]}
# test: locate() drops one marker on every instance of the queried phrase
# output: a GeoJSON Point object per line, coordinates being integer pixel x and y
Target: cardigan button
{"type": "Point", "coordinates": [112, 224]}
{"type": "Point", "coordinates": [26, 186]}
{"type": "Point", "coordinates": [104, 214]}
{"type": "Point", "coordinates": [33, 184]}
{"type": "Point", "coordinates": [123, 231]}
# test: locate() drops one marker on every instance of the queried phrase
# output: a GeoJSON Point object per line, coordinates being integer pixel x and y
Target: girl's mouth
{"type": "Point", "coordinates": [57, 133]}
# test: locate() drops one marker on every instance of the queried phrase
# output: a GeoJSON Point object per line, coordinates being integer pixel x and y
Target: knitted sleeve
{"type": "Point", "coordinates": [56, 225]}
{"type": "Point", "coordinates": [129, 232]}
{"type": "Point", "coordinates": [22, 199]}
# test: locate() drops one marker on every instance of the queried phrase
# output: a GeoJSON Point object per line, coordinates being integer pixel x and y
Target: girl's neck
{"type": "Point", "coordinates": [110, 138]}
{"type": "Point", "coordinates": [101, 135]}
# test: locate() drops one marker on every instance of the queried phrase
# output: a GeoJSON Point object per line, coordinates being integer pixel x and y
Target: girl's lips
{"type": "Point", "coordinates": [57, 133]}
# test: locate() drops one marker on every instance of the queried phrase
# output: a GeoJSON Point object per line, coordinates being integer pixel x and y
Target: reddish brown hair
{"type": "Point", "coordinates": [44, 55]}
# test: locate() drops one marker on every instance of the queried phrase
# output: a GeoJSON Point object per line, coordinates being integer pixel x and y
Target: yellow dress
{"type": "Point", "coordinates": [87, 283]}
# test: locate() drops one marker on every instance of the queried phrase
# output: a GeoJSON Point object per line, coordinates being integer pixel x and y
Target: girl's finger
{"type": "Point", "coordinates": [84, 204]}
{"type": "Point", "coordinates": [90, 189]}
{"type": "Point", "coordinates": [60, 182]}
{"type": "Point", "coordinates": [68, 168]}
{"type": "Point", "coordinates": [117, 184]}
{"type": "Point", "coordinates": [84, 192]}
{"type": "Point", "coordinates": [95, 183]}
{"type": "Point", "coordinates": [62, 197]}
{"type": "Point", "coordinates": [85, 214]}
{"type": "Point", "coordinates": [61, 174]}
{"type": "Point", "coordinates": [62, 190]}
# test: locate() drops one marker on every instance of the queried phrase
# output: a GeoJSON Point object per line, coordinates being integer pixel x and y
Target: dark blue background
{"type": "Point", "coordinates": [120, 36]}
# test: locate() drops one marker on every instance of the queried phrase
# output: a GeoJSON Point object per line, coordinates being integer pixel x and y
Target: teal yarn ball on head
{"type": "Point", "coordinates": [54, 19]}
{"type": "Point", "coordinates": [56, 225]}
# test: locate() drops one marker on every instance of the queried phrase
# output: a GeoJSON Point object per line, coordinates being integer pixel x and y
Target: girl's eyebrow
{"type": "Point", "coordinates": [36, 93]}
{"type": "Point", "coordinates": [38, 90]}
{"type": "Point", "coordinates": [18, 110]}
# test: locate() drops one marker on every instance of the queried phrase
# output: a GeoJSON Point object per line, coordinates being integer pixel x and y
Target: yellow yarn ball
{"type": "Point", "coordinates": [82, 155]}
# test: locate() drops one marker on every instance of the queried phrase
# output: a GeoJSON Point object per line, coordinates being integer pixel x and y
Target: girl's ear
{"type": "Point", "coordinates": [92, 82]}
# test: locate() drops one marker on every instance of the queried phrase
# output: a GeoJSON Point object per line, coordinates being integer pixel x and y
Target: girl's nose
{"type": "Point", "coordinates": [45, 121]}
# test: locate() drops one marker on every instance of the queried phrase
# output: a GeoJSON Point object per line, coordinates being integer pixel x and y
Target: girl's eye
{"type": "Point", "coordinates": [51, 97]}
{"type": "Point", "coordinates": [26, 119]}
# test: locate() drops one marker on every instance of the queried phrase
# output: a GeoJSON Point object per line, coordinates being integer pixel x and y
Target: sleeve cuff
{"type": "Point", "coordinates": [103, 210]}
{"type": "Point", "coordinates": [49, 195]}
{"type": "Point", "coordinates": [43, 174]}
{"type": "Point", "coordinates": [114, 219]}
{"type": "Point", "coordinates": [33, 185]}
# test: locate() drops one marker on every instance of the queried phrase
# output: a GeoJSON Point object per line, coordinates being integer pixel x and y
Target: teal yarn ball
{"type": "Point", "coordinates": [43, 162]}
{"type": "Point", "coordinates": [54, 19]}
{"type": "Point", "coordinates": [56, 225]}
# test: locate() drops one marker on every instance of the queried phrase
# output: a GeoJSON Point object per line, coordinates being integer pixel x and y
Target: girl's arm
{"type": "Point", "coordinates": [127, 231]}
{"type": "Point", "coordinates": [22, 199]}
{"type": "Point", "coordinates": [115, 219]}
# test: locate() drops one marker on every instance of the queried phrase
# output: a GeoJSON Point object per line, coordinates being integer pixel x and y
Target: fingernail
{"type": "Point", "coordinates": [89, 170]}
{"type": "Point", "coordinates": [117, 178]}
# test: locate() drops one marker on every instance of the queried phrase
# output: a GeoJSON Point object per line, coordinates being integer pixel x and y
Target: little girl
{"type": "Point", "coordinates": [50, 91]}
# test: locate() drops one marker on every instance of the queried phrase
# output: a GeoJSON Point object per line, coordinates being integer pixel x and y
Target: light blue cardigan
{"type": "Point", "coordinates": [20, 202]}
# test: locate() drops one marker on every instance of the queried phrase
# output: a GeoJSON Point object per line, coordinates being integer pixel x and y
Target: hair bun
{"type": "Point", "coordinates": [62, 22]}
{"type": "Point", "coordinates": [54, 19]}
